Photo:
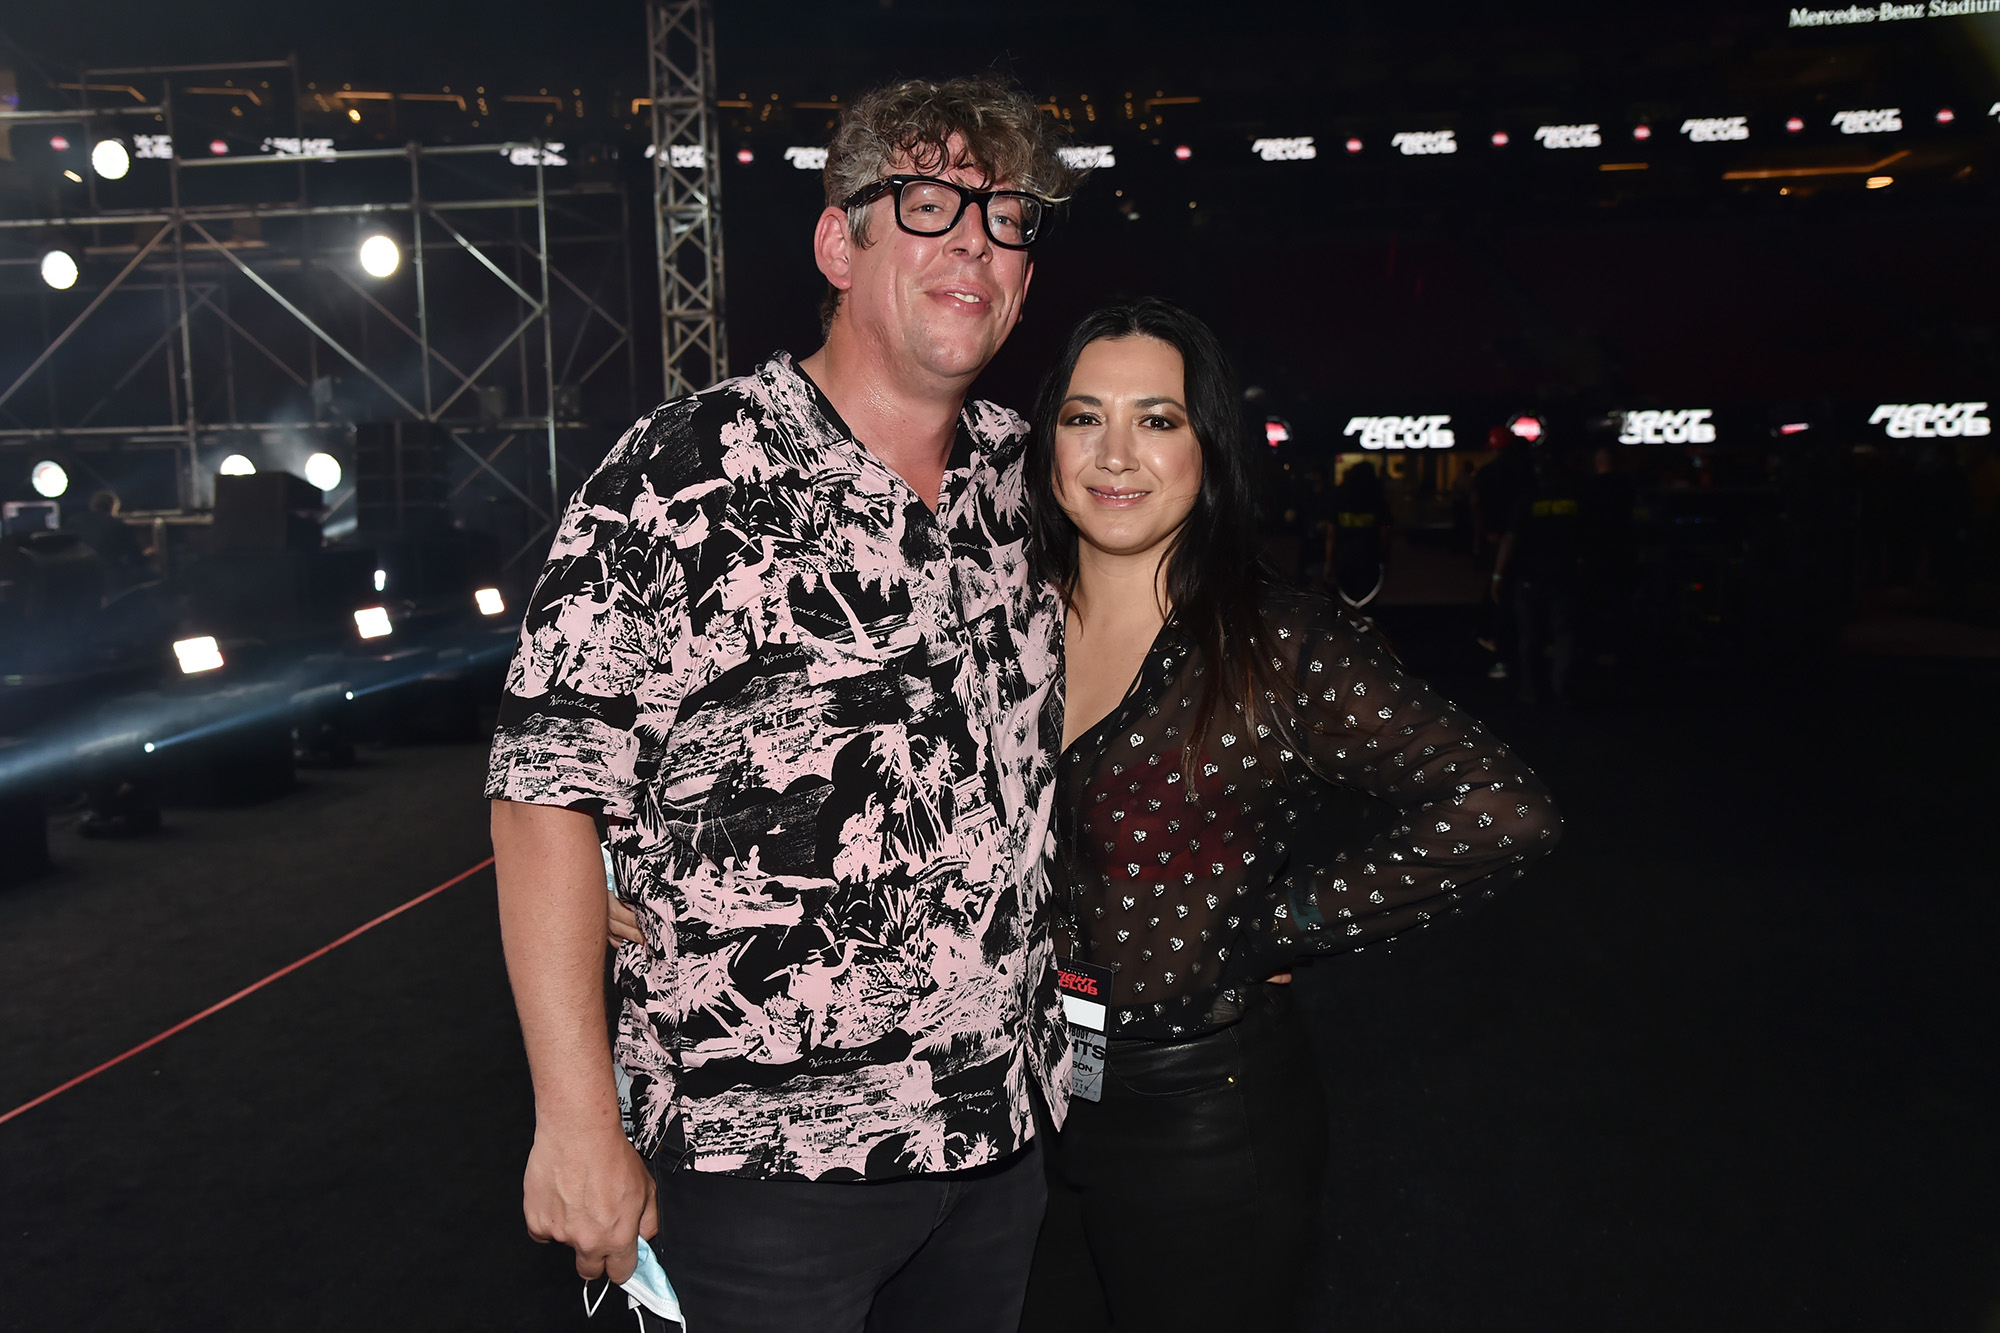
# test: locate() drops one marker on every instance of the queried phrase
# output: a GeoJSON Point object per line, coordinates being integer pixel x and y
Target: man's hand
{"type": "Point", "coordinates": [596, 1196]}
{"type": "Point", "coordinates": [624, 923]}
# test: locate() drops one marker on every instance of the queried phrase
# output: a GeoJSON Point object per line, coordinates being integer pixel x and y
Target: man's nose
{"type": "Point", "coordinates": [969, 236]}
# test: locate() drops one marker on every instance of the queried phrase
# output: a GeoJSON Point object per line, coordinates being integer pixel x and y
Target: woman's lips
{"type": "Point", "coordinates": [1116, 497]}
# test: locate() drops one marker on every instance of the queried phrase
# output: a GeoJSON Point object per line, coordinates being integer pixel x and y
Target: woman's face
{"type": "Point", "coordinates": [1128, 465]}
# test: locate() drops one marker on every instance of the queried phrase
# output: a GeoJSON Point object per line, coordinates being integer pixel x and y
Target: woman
{"type": "Point", "coordinates": [1210, 715]}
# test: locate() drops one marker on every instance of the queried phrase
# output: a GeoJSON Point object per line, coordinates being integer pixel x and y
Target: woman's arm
{"type": "Point", "coordinates": [1468, 810]}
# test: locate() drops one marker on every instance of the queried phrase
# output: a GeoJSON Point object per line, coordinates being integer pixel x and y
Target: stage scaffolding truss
{"type": "Point", "coordinates": [686, 200]}
{"type": "Point", "coordinates": [223, 306]}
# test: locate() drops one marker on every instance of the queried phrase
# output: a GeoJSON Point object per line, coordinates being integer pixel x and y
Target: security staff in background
{"type": "Point", "coordinates": [1537, 570]}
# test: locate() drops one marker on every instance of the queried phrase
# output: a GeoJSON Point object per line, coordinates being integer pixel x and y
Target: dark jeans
{"type": "Point", "coordinates": [924, 1254]}
{"type": "Point", "coordinates": [1546, 607]}
{"type": "Point", "coordinates": [1187, 1198]}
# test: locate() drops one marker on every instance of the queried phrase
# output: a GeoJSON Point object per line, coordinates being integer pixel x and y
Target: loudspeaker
{"type": "Point", "coordinates": [268, 511]}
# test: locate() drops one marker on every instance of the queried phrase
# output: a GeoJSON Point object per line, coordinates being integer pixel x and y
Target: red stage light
{"type": "Point", "coordinates": [1794, 125]}
{"type": "Point", "coordinates": [1183, 152]}
{"type": "Point", "coordinates": [1354, 145]}
{"type": "Point", "coordinates": [1794, 428]}
{"type": "Point", "coordinates": [1276, 432]}
{"type": "Point", "coordinates": [1526, 427]}
{"type": "Point", "coordinates": [59, 143]}
{"type": "Point", "coordinates": [217, 147]}
{"type": "Point", "coordinates": [1499, 138]}
{"type": "Point", "coordinates": [1945, 116]}
{"type": "Point", "coordinates": [745, 156]}
{"type": "Point", "coordinates": [1642, 132]}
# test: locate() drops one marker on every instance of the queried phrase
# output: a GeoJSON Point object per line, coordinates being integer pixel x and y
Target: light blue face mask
{"type": "Point", "coordinates": [647, 1288]}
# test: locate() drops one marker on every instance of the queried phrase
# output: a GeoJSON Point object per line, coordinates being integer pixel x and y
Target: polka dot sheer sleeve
{"type": "Point", "coordinates": [1193, 865]}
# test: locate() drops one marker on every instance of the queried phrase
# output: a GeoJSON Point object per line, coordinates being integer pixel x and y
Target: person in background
{"type": "Point", "coordinates": [1496, 489]}
{"type": "Point", "coordinates": [1210, 715]}
{"type": "Point", "coordinates": [787, 664]}
{"type": "Point", "coordinates": [1537, 571]}
{"type": "Point", "coordinates": [1361, 531]}
{"type": "Point", "coordinates": [118, 548]}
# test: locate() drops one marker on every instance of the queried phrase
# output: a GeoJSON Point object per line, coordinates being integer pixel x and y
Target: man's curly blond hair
{"type": "Point", "coordinates": [1005, 137]}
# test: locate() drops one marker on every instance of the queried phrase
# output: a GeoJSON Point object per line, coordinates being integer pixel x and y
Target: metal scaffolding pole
{"type": "Point", "coordinates": [686, 199]}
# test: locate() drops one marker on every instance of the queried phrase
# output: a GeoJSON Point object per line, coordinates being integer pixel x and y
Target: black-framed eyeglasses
{"type": "Point", "coordinates": [927, 206]}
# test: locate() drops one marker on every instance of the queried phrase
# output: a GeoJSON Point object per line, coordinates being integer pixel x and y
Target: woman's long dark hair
{"type": "Point", "coordinates": [1212, 565]}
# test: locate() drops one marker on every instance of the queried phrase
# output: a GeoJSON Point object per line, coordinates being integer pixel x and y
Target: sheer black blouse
{"type": "Point", "coordinates": [1190, 884]}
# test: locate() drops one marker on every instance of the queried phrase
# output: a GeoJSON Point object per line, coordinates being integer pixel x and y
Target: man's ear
{"type": "Point", "coordinates": [832, 247]}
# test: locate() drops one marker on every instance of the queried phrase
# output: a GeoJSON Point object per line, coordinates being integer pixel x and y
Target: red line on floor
{"type": "Point", "coordinates": [250, 989]}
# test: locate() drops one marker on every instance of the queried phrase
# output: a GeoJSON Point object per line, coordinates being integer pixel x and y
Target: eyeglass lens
{"type": "Point", "coordinates": [930, 208]}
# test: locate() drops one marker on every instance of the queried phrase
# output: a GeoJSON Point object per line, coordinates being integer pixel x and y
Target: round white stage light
{"type": "Point", "coordinates": [236, 465]}
{"type": "Point", "coordinates": [49, 479]}
{"type": "Point", "coordinates": [380, 256]}
{"type": "Point", "coordinates": [110, 159]}
{"type": "Point", "coordinates": [323, 471]}
{"type": "Point", "coordinates": [59, 270]}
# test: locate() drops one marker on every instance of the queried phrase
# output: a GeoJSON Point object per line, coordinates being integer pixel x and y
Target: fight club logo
{"type": "Point", "coordinates": [1569, 136]}
{"type": "Point", "coordinates": [1691, 426]}
{"type": "Point", "coordinates": [1715, 129]}
{"type": "Point", "coordinates": [1087, 157]}
{"type": "Point", "coordinates": [1421, 143]}
{"type": "Point", "coordinates": [1924, 421]}
{"type": "Point", "coordinates": [1432, 432]}
{"type": "Point", "coordinates": [806, 159]}
{"type": "Point", "coordinates": [1285, 150]}
{"type": "Point", "coordinates": [1883, 120]}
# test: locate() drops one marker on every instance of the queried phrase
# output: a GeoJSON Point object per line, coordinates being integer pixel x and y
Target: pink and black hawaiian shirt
{"type": "Point", "coordinates": [818, 723]}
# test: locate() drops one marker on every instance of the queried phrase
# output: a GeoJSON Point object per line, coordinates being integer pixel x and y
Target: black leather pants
{"type": "Point", "coordinates": [1187, 1198]}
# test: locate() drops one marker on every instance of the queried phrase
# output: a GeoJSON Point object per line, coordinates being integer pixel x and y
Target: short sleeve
{"type": "Point", "coordinates": [597, 637]}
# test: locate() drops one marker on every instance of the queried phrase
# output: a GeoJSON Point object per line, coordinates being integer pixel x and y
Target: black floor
{"type": "Point", "coordinates": [1724, 1063]}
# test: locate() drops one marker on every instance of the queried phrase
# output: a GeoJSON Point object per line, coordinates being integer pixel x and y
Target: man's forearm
{"type": "Point", "coordinates": [552, 926]}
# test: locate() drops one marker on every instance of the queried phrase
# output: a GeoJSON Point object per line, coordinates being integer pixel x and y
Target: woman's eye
{"type": "Point", "coordinates": [1080, 419]}
{"type": "Point", "coordinates": [1160, 423]}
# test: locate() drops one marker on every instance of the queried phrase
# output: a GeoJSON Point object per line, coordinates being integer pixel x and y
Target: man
{"type": "Point", "coordinates": [118, 549]}
{"type": "Point", "coordinates": [786, 662]}
{"type": "Point", "coordinates": [1540, 555]}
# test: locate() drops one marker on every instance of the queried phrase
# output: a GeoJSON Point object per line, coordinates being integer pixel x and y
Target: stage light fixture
{"type": "Point", "coordinates": [381, 580]}
{"type": "Point", "coordinates": [745, 156]}
{"type": "Point", "coordinates": [1527, 427]}
{"type": "Point", "coordinates": [1183, 152]}
{"type": "Point", "coordinates": [59, 270]}
{"type": "Point", "coordinates": [1880, 182]}
{"type": "Point", "coordinates": [488, 601]}
{"type": "Point", "coordinates": [110, 159]}
{"type": "Point", "coordinates": [373, 622]}
{"type": "Point", "coordinates": [1642, 132]}
{"type": "Point", "coordinates": [197, 655]}
{"type": "Point", "coordinates": [1354, 145]}
{"type": "Point", "coordinates": [1793, 124]}
{"type": "Point", "coordinates": [323, 471]}
{"type": "Point", "coordinates": [236, 465]}
{"type": "Point", "coordinates": [1500, 138]}
{"type": "Point", "coordinates": [1945, 115]}
{"type": "Point", "coordinates": [1795, 428]}
{"type": "Point", "coordinates": [218, 147]}
{"type": "Point", "coordinates": [354, 114]}
{"type": "Point", "coordinates": [1276, 431]}
{"type": "Point", "coordinates": [380, 256]}
{"type": "Point", "coordinates": [59, 142]}
{"type": "Point", "coordinates": [48, 479]}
